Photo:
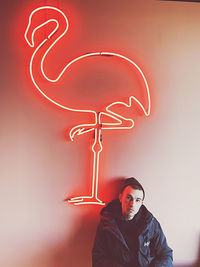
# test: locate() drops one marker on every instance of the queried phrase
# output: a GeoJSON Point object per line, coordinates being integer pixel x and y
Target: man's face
{"type": "Point", "coordinates": [131, 200]}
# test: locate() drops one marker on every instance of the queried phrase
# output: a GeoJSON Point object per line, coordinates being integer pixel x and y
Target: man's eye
{"type": "Point", "coordinates": [128, 197]}
{"type": "Point", "coordinates": [138, 200]}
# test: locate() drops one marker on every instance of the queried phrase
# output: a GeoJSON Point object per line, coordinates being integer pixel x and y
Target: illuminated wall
{"type": "Point", "coordinates": [40, 166]}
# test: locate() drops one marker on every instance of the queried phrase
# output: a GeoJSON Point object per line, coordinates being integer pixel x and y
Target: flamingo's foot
{"type": "Point", "coordinates": [85, 200]}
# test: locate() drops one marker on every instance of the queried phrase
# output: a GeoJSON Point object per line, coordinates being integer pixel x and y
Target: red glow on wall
{"type": "Point", "coordinates": [57, 24]}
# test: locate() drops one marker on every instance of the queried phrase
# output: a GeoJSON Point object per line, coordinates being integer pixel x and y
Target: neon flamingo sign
{"type": "Point", "coordinates": [98, 126]}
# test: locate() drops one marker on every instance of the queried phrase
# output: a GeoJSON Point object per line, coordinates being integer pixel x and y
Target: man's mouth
{"type": "Point", "coordinates": [130, 210]}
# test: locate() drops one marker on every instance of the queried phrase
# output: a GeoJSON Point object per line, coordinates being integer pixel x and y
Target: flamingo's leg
{"type": "Point", "coordinates": [93, 198]}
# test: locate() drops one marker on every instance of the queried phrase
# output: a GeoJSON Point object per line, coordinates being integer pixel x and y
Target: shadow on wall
{"type": "Point", "coordinates": [198, 258]}
{"type": "Point", "coordinates": [112, 189]}
{"type": "Point", "coordinates": [78, 249]}
{"type": "Point", "coordinates": [71, 252]}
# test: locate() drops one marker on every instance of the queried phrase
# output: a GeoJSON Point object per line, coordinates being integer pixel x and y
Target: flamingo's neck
{"type": "Point", "coordinates": [43, 50]}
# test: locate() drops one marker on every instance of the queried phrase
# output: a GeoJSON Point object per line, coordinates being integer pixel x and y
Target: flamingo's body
{"type": "Point", "coordinates": [120, 121]}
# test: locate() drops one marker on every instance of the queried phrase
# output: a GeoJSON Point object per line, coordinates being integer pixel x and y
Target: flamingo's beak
{"type": "Point", "coordinates": [28, 35]}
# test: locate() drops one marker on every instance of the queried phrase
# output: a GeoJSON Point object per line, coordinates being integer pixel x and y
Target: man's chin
{"type": "Point", "coordinates": [131, 212]}
{"type": "Point", "coordinates": [130, 215]}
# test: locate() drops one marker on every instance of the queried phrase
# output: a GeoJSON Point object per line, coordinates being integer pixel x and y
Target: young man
{"type": "Point", "coordinates": [128, 234]}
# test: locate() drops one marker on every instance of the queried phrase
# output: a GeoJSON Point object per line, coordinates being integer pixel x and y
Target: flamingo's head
{"type": "Point", "coordinates": [42, 16]}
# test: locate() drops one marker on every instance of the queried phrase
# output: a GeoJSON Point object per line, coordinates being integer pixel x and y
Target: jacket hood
{"type": "Point", "coordinates": [113, 210]}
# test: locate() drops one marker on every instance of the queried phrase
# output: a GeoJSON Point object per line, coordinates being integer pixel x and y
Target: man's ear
{"type": "Point", "coordinates": [120, 197]}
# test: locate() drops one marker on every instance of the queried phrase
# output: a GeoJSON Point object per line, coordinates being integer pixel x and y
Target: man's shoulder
{"type": "Point", "coordinates": [146, 214]}
{"type": "Point", "coordinates": [152, 224]}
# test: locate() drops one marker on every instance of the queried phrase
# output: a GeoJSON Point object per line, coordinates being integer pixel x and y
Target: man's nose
{"type": "Point", "coordinates": [131, 203]}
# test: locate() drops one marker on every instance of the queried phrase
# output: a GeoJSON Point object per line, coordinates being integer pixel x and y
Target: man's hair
{"type": "Point", "coordinates": [134, 184]}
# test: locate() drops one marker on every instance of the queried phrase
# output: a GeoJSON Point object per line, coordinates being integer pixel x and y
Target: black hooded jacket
{"type": "Point", "coordinates": [114, 249]}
